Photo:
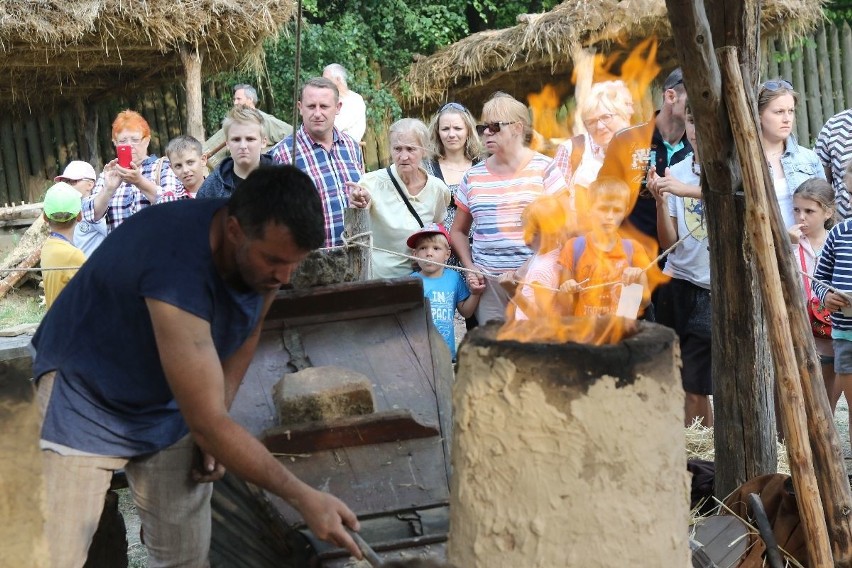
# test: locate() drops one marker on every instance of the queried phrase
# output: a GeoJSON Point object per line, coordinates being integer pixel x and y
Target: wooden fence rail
{"type": "Point", "coordinates": [35, 148]}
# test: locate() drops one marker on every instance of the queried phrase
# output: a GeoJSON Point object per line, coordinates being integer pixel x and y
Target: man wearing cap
{"type": "Point", "coordinates": [59, 257]}
{"type": "Point", "coordinates": [656, 144]}
{"type": "Point", "coordinates": [87, 234]}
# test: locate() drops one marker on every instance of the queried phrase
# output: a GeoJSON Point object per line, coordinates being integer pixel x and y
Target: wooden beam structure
{"type": "Point", "coordinates": [742, 379]}
{"type": "Point", "coordinates": [194, 109]}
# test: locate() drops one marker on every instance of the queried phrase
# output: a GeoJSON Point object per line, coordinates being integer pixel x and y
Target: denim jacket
{"type": "Point", "coordinates": [799, 164]}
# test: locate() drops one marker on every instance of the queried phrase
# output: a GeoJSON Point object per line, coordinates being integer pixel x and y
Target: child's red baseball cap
{"type": "Point", "coordinates": [427, 229]}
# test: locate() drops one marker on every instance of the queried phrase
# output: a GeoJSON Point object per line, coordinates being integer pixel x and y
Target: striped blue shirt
{"type": "Point", "coordinates": [835, 268]}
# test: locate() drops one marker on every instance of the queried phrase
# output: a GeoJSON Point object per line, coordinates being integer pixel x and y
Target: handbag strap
{"type": "Point", "coordinates": [404, 198]}
{"type": "Point", "coordinates": [805, 279]}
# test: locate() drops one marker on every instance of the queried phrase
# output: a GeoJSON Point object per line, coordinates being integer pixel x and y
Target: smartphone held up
{"type": "Point", "coordinates": [124, 153]}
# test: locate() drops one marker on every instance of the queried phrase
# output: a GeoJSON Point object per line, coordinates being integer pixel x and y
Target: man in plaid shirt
{"type": "Point", "coordinates": [121, 192]}
{"type": "Point", "coordinates": [331, 158]}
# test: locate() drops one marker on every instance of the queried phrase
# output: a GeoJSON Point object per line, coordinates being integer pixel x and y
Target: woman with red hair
{"type": "Point", "coordinates": [122, 191]}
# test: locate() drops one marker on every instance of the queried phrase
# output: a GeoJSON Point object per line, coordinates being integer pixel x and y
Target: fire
{"type": "Point", "coordinates": [542, 311]}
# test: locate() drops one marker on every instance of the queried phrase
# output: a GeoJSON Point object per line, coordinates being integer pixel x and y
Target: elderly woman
{"type": "Point", "coordinates": [122, 191]}
{"type": "Point", "coordinates": [400, 198]}
{"type": "Point", "coordinates": [494, 193]}
{"type": "Point", "coordinates": [607, 109]}
{"type": "Point", "coordinates": [789, 163]}
{"type": "Point", "coordinates": [452, 133]}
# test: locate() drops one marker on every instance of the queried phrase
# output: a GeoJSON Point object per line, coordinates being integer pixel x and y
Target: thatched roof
{"type": "Point", "coordinates": [525, 57]}
{"type": "Point", "coordinates": [52, 51]}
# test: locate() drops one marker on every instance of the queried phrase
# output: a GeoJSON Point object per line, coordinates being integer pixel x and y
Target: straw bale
{"type": "Point", "coordinates": [700, 445]}
{"type": "Point", "coordinates": [542, 43]}
{"type": "Point", "coordinates": [51, 50]}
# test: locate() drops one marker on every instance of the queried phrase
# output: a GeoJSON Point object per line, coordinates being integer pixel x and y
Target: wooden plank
{"type": "Point", "coordinates": [34, 148]}
{"type": "Point", "coordinates": [772, 56]}
{"type": "Point", "coordinates": [374, 479]}
{"type": "Point", "coordinates": [46, 138]}
{"type": "Point", "coordinates": [846, 64]}
{"type": "Point", "coordinates": [10, 161]}
{"type": "Point", "coordinates": [172, 112]}
{"type": "Point", "coordinates": [834, 67]}
{"type": "Point", "coordinates": [69, 136]}
{"type": "Point", "coordinates": [147, 110]}
{"type": "Point", "coordinates": [23, 162]}
{"type": "Point", "coordinates": [811, 90]}
{"type": "Point", "coordinates": [347, 432]}
{"type": "Point", "coordinates": [160, 114]}
{"type": "Point", "coordinates": [803, 113]}
{"type": "Point", "coordinates": [823, 67]}
{"type": "Point", "coordinates": [723, 538]}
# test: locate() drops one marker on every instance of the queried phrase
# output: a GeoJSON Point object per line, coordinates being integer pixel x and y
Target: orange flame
{"type": "Point", "coordinates": [538, 312]}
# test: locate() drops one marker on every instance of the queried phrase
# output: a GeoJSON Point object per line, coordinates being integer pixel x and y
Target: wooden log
{"type": "Point", "coordinates": [28, 211]}
{"type": "Point", "coordinates": [742, 381]}
{"type": "Point", "coordinates": [835, 69]}
{"type": "Point", "coordinates": [756, 181]}
{"type": "Point", "coordinates": [59, 140]}
{"type": "Point", "coordinates": [48, 149]}
{"type": "Point", "coordinates": [10, 161]}
{"type": "Point", "coordinates": [32, 240]}
{"type": "Point", "coordinates": [194, 110]}
{"type": "Point", "coordinates": [846, 63]}
{"type": "Point", "coordinates": [357, 222]}
{"type": "Point", "coordinates": [823, 67]}
{"type": "Point", "coordinates": [10, 279]}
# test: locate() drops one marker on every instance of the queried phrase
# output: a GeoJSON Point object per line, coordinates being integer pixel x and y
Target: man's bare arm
{"type": "Point", "coordinates": [197, 380]}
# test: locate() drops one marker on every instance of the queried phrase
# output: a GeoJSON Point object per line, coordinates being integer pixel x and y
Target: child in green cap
{"type": "Point", "coordinates": [62, 208]}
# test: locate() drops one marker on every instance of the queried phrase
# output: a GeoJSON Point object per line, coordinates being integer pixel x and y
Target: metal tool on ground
{"type": "Point", "coordinates": [367, 550]}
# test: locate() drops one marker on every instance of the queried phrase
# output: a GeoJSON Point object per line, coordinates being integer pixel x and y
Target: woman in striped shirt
{"type": "Point", "coordinates": [492, 196]}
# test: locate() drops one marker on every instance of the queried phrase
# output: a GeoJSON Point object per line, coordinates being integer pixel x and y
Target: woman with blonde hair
{"type": "Point", "coordinates": [607, 109]}
{"type": "Point", "coordinates": [455, 147]}
{"type": "Point", "coordinates": [401, 198]}
{"type": "Point", "coordinates": [492, 196]}
{"type": "Point", "coordinates": [789, 163]}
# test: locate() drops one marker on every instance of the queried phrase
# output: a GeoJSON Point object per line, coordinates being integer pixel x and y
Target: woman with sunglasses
{"type": "Point", "coordinates": [789, 163]}
{"type": "Point", "coordinates": [607, 109]}
{"type": "Point", "coordinates": [492, 196]}
{"type": "Point", "coordinates": [456, 148]}
{"type": "Point", "coordinates": [401, 198]}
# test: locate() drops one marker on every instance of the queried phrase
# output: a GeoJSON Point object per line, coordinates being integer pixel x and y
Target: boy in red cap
{"type": "Point", "coordinates": [446, 290]}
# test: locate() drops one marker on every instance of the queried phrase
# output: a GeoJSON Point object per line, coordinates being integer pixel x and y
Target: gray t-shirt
{"type": "Point", "coordinates": [691, 259]}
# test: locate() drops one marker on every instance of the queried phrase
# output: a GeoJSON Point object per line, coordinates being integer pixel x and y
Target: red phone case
{"type": "Point", "coordinates": [124, 153]}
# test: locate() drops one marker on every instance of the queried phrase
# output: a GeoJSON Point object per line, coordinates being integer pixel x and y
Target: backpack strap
{"type": "Point", "coordinates": [436, 170]}
{"type": "Point", "coordinates": [158, 169]}
{"type": "Point", "coordinates": [578, 249]}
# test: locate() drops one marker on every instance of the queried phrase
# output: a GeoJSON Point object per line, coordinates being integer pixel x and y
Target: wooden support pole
{"type": "Point", "coordinates": [194, 108]}
{"type": "Point", "coordinates": [356, 222]}
{"type": "Point", "coordinates": [794, 419]}
{"type": "Point", "coordinates": [742, 383]}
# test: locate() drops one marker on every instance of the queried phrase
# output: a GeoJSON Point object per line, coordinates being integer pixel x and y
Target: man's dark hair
{"type": "Point", "coordinates": [284, 195]}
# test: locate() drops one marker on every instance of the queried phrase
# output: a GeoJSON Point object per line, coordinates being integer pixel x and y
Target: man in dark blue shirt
{"type": "Point", "coordinates": [140, 357]}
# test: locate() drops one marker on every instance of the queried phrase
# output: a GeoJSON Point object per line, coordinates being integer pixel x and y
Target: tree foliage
{"type": "Point", "coordinates": [375, 40]}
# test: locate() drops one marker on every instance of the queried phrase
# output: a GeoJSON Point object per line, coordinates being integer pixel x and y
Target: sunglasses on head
{"type": "Point", "coordinates": [776, 85]}
{"type": "Point", "coordinates": [493, 127]}
{"type": "Point", "coordinates": [453, 106]}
